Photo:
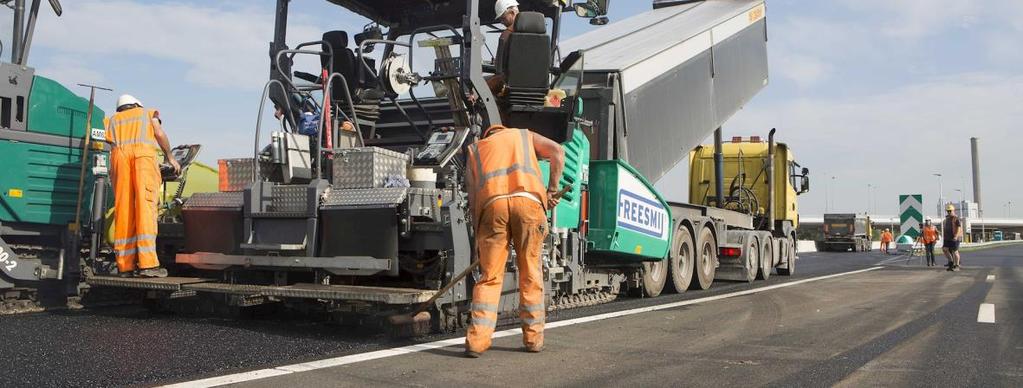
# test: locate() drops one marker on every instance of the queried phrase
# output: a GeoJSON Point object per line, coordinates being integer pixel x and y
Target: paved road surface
{"type": "Point", "coordinates": [901, 325]}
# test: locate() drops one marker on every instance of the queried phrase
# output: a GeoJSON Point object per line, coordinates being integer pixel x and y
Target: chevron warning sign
{"type": "Point", "coordinates": [910, 214]}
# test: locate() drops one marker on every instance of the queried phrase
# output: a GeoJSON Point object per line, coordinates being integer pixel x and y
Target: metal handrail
{"type": "Point", "coordinates": [259, 122]}
{"type": "Point", "coordinates": [351, 104]}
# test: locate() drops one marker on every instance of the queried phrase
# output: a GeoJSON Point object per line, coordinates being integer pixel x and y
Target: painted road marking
{"type": "Point", "coordinates": [990, 278]}
{"type": "Point", "coordinates": [355, 358]}
{"type": "Point", "coordinates": [986, 314]}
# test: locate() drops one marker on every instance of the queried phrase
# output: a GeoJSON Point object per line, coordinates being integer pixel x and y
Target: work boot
{"type": "Point", "coordinates": [153, 273]}
{"type": "Point", "coordinates": [534, 348]}
{"type": "Point", "coordinates": [471, 354]}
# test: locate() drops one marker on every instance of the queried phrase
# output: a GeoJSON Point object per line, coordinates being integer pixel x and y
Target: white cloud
{"type": "Point", "coordinates": [913, 19]}
{"type": "Point", "coordinates": [897, 138]}
{"type": "Point", "coordinates": [804, 70]}
{"type": "Point", "coordinates": [70, 71]}
{"type": "Point", "coordinates": [220, 44]}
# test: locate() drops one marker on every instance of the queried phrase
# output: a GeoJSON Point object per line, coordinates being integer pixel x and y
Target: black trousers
{"type": "Point", "coordinates": [929, 249]}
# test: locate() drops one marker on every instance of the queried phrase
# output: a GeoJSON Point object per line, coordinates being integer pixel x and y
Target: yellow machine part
{"type": "Point", "coordinates": [200, 178]}
{"type": "Point", "coordinates": [749, 158]}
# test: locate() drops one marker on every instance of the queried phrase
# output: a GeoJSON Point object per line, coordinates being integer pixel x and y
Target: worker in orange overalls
{"type": "Point", "coordinates": [928, 237]}
{"type": "Point", "coordinates": [136, 133]}
{"type": "Point", "coordinates": [508, 201]}
{"type": "Point", "coordinates": [886, 240]}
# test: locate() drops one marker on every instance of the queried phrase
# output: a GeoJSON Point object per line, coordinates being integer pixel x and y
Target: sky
{"type": "Point", "coordinates": [866, 92]}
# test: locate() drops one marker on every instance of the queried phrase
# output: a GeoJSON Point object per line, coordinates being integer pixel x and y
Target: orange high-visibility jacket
{"type": "Point", "coordinates": [503, 162]}
{"type": "Point", "coordinates": [132, 128]}
{"type": "Point", "coordinates": [929, 235]}
{"type": "Point", "coordinates": [886, 237]}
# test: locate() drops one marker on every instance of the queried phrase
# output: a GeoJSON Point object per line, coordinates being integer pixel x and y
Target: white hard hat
{"type": "Point", "coordinates": [127, 99]}
{"type": "Point", "coordinates": [502, 5]}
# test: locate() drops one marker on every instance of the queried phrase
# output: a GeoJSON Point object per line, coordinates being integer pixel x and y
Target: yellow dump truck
{"type": "Point", "coordinates": [745, 185]}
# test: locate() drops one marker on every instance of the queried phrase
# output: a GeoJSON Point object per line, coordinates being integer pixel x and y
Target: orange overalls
{"type": "Point", "coordinates": [136, 179]}
{"type": "Point", "coordinates": [886, 240]}
{"type": "Point", "coordinates": [507, 196]}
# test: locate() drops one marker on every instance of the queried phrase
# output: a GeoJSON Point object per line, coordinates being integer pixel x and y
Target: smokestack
{"type": "Point", "coordinates": [976, 171]}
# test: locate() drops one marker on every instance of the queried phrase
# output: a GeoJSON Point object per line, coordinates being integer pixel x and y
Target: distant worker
{"type": "Point", "coordinates": [952, 233]}
{"type": "Point", "coordinates": [928, 237]}
{"type": "Point", "coordinates": [886, 240]}
{"type": "Point", "coordinates": [136, 134]}
{"type": "Point", "coordinates": [508, 202]}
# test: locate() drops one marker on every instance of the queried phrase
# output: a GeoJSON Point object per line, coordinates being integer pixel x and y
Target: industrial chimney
{"type": "Point", "coordinates": [976, 171]}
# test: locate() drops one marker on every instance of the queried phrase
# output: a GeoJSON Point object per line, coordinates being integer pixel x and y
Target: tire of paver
{"type": "Point", "coordinates": [655, 274]}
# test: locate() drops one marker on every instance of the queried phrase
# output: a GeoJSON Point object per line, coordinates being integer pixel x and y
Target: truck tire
{"type": "Point", "coordinates": [790, 259]}
{"type": "Point", "coordinates": [751, 263]}
{"type": "Point", "coordinates": [766, 259]}
{"type": "Point", "coordinates": [856, 247]}
{"type": "Point", "coordinates": [706, 261]}
{"type": "Point", "coordinates": [655, 274]}
{"type": "Point", "coordinates": [681, 260]}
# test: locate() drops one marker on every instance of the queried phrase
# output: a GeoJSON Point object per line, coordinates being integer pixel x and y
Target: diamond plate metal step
{"type": "Point", "coordinates": [160, 284]}
{"type": "Point", "coordinates": [386, 295]}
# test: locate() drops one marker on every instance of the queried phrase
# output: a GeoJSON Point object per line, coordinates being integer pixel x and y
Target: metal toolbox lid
{"type": "Point", "coordinates": [378, 197]}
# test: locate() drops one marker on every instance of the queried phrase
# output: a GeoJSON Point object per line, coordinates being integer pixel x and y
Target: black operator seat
{"type": "Point", "coordinates": [365, 94]}
{"type": "Point", "coordinates": [343, 62]}
{"type": "Point", "coordinates": [526, 60]}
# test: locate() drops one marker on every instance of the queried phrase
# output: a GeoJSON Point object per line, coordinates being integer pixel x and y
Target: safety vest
{"type": "Point", "coordinates": [503, 163]}
{"type": "Point", "coordinates": [131, 128]}
{"type": "Point", "coordinates": [886, 237]}
{"type": "Point", "coordinates": [929, 235]}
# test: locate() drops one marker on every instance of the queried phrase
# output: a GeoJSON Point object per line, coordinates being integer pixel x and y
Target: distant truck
{"type": "Point", "coordinates": [843, 232]}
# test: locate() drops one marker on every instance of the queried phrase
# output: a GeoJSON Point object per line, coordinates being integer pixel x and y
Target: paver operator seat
{"type": "Point", "coordinates": [525, 60]}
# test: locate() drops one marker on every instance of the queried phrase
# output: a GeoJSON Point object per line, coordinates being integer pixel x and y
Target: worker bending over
{"type": "Point", "coordinates": [508, 201]}
{"type": "Point", "coordinates": [136, 133]}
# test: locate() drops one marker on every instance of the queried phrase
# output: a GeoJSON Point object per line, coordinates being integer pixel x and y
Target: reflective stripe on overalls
{"type": "Point", "coordinates": [136, 180]}
{"type": "Point", "coordinates": [501, 164]}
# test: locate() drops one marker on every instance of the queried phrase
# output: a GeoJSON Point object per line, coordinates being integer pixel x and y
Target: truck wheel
{"type": "Point", "coordinates": [790, 260]}
{"type": "Point", "coordinates": [706, 261]}
{"type": "Point", "coordinates": [682, 261]}
{"type": "Point", "coordinates": [856, 247]}
{"type": "Point", "coordinates": [752, 261]}
{"type": "Point", "coordinates": [655, 274]}
{"type": "Point", "coordinates": [766, 259]}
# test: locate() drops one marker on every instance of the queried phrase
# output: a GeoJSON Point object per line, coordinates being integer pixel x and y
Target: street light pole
{"type": "Point", "coordinates": [827, 189]}
{"type": "Point", "coordinates": [868, 198]}
{"type": "Point", "coordinates": [832, 183]}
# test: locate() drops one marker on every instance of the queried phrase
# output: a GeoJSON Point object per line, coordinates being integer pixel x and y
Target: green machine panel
{"type": "Point", "coordinates": [40, 183]}
{"type": "Point", "coordinates": [577, 162]}
{"type": "Point", "coordinates": [55, 110]}
{"type": "Point", "coordinates": [628, 217]}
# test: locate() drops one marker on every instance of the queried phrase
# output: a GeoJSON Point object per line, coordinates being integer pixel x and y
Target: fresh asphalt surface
{"type": "Point", "coordinates": [904, 325]}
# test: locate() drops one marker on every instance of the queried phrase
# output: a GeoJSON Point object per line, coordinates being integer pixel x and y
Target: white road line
{"type": "Point", "coordinates": [354, 358]}
{"type": "Point", "coordinates": [990, 278]}
{"type": "Point", "coordinates": [986, 314]}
